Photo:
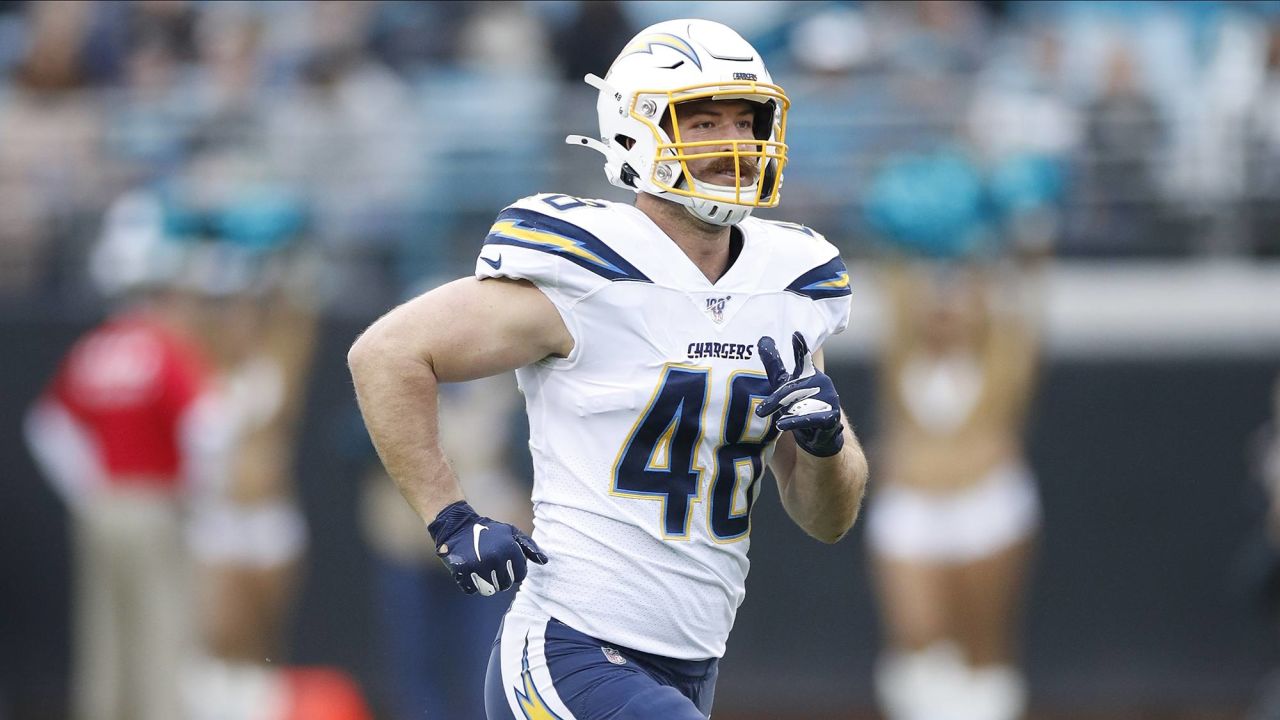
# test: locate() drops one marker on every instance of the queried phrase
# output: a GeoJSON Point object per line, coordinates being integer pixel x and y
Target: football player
{"type": "Point", "coordinates": [646, 341]}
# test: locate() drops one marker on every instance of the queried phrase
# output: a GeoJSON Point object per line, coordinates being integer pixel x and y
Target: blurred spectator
{"type": "Point", "coordinates": [411, 37]}
{"type": "Point", "coordinates": [838, 123]}
{"type": "Point", "coordinates": [1123, 133]}
{"type": "Point", "coordinates": [419, 607]}
{"type": "Point", "coordinates": [833, 41]}
{"type": "Point", "coordinates": [117, 29]}
{"type": "Point", "coordinates": [950, 529]}
{"type": "Point", "coordinates": [1019, 107]}
{"type": "Point", "coordinates": [480, 153]}
{"type": "Point", "coordinates": [149, 116]}
{"type": "Point", "coordinates": [249, 535]}
{"type": "Point", "coordinates": [1024, 132]}
{"type": "Point", "coordinates": [229, 82]}
{"type": "Point", "coordinates": [12, 35]}
{"type": "Point", "coordinates": [50, 178]}
{"type": "Point", "coordinates": [1262, 170]}
{"type": "Point", "coordinates": [753, 19]}
{"type": "Point", "coordinates": [247, 532]}
{"type": "Point", "coordinates": [588, 41]}
{"type": "Point", "coordinates": [351, 122]}
{"type": "Point", "coordinates": [57, 32]}
{"type": "Point", "coordinates": [126, 431]}
{"type": "Point", "coordinates": [1263, 560]}
{"type": "Point", "coordinates": [1141, 114]}
{"type": "Point", "coordinates": [931, 204]}
{"type": "Point", "coordinates": [504, 39]}
{"type": "Point", "coordinates": [240, 241]}
{"type": "Point", "coordinates": [934, 36]}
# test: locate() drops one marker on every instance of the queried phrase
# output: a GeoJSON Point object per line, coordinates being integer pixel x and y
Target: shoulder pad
{"type": "Point", "coordinates": [544, 223]}
{"type": "Point", "coordinates": [806, 262]}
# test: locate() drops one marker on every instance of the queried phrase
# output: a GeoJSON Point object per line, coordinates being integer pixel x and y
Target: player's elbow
{"type": "Point", "coordinates": [829, 539]}
{"type": "Point", "coordinates": [370, 352]}
{"type": "Point", "coordinates": [383, 357]}
{"type": "Point", "coordinates": [835, 529]}
{"type": "Point", "coordinates": [839, 513]}
{"type": "Point", "coordinates": [831, 523]}
{"type": "Point", "coordinates": [361, 355]}
{"type": "Point", "coordinates": [860, 472]}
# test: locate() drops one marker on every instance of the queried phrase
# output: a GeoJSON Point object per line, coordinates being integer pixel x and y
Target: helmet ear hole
{"type": "Point", "coordinates": [624, 141]}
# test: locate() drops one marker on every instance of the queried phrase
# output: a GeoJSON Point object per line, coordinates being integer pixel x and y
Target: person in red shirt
{"type": "Point", "coordinates": [124, 431]}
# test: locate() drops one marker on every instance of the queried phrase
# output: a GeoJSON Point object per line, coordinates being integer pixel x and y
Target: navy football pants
{"type": "Point", "coordinates": [541, 669]}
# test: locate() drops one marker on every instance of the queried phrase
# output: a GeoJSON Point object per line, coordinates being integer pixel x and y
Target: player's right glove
{"type": "Point", "coordinates": [484, 555]}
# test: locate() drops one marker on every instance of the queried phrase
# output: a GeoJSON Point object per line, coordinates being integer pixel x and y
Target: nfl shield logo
{"type": "Point", "coordinates": [613, 656]}
{"type": "Point", "coordinates": [715, 308]}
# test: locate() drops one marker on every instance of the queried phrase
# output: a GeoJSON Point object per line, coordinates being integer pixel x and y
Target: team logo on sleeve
{"type": "Point", "coordinates": [523, 228]}
{"type": "Point", "coordinates": [828, 280]}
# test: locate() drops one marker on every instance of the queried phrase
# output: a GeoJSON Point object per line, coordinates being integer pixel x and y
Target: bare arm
{"type": "Point", "coordinates": [821, 494]}
{"type": "Point", "coordinates": [465, 330]}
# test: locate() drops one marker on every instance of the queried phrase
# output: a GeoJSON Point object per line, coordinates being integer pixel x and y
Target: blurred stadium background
{"type": "Point", "coordinates": [1142, 140]}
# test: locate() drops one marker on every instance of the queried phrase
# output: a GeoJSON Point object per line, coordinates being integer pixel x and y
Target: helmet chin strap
{"type": "Point", "coordinates": [716, 212]}
{"type": "Point", "coordinates": [722, 214]}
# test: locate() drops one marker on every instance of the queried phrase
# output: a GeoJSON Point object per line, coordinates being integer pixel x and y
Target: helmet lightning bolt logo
{"type": "Point", "coordinates": [647, 43]}
{"type": "Point", "coordinates": [531, 702]}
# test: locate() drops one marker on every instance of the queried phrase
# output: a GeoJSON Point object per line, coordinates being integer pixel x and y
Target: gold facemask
{"type": "Point", "coordinates": [768, 155]}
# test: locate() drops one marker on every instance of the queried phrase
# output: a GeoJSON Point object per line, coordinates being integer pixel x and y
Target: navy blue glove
{"type": "Point", "coordinates": [484, 555]}
{"type": "Point", "coordinates": [808, 401]}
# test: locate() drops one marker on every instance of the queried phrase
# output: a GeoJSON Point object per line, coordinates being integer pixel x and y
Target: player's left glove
{"type": "Point", "coordinates": [484, 555]}
{"type": "Point", "coordinates": [808, 401]}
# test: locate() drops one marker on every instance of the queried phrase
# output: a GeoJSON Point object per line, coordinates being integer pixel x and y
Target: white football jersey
{"type": "Point", "coordinates": [647, 452]}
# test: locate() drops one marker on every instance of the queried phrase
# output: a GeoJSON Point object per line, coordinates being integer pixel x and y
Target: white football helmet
{"type": "Point", "coordinates": [679, 61]}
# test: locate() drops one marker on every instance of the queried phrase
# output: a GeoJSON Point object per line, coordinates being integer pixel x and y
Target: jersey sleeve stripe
{"type": "Point", "coordinates": [533, 230]}
{"type": "Point", "coordinates": [828, 280]}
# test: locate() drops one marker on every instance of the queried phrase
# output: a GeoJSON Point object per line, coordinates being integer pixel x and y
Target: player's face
{"type": "Point", "coordinates": [703, 120]}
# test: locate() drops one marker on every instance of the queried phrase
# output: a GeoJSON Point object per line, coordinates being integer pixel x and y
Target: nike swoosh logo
{"type": "Point", "coordinates": [475, 537]}
{"type": "Point", "coordinates": [495, 264]}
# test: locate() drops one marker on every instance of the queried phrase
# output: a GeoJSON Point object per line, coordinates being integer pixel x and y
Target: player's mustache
{"type": "Point", "coordinates": [728, 166]}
